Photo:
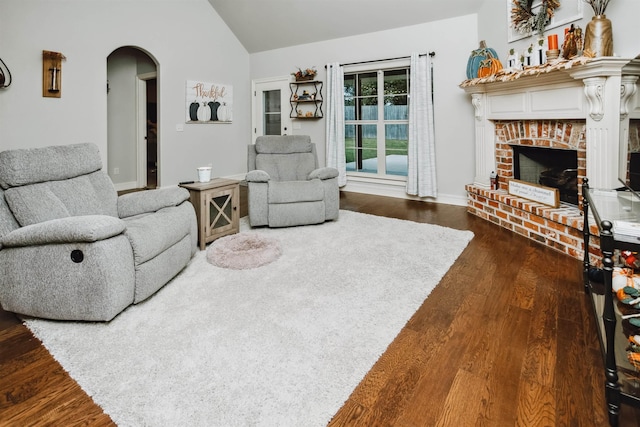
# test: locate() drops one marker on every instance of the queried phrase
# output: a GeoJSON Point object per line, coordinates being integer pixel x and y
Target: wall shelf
{"type": "Point", "coordinates": [306, 99]}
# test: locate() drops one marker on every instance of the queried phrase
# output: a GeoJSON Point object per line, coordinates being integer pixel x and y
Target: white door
{"type": "Point", "coordinates": [271, 107]}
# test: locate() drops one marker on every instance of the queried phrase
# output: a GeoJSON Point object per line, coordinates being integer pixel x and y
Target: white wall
{"type": "Point", "coordinates": [186, 37]}
{"type": "Point", "coordinates": [191, 42]}
{"type": "Point", "coordinates": [121, 116]}
{"type": "Point", "coordinates": [492, 25]}
{"type": "Point", "coordinates": [452, 40]}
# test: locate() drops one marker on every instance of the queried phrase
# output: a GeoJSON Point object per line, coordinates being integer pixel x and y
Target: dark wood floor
{"type": "Point", "coordinates": [506, 339]}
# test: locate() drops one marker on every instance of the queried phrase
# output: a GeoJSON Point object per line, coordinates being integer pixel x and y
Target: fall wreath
{"type": "Point", "coordinates": [524, 20]}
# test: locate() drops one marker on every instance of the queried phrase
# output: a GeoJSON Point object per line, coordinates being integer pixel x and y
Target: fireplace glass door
{"type": "Point", "coordinates": [556, 168]}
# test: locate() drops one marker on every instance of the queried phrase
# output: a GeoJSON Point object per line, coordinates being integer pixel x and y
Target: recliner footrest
{"type": "Point", "coordinates": [295, 191]}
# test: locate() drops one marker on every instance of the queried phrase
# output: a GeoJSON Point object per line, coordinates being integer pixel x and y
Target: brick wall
{"type": "Point", "coordinates": [558, 134]}
{"type": "Point", "coordinates": [558, 228]}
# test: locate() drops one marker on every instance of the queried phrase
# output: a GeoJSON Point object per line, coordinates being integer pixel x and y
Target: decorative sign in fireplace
{"type": "Point", "coordinates": [538, 193]}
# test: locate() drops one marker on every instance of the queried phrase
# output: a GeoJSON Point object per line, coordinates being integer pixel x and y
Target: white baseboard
{"type": "Point", "coordinates": [122, 186]}
{"type": "Point", "coordinates": [398, 191]}
{"type": "Point", "coordinates": [237, 177]}
{"type": "Point", "coordinates": [389, 189]}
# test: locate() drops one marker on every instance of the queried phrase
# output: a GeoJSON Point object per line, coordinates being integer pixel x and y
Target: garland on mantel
{"type": "Point", "coordinates": [524, 20]}
{"type": "Point", "coordinates": [509, 74]}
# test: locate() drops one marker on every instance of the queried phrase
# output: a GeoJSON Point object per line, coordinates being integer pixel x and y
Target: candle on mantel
{"type": "Point", "coordinates": [553, 41]}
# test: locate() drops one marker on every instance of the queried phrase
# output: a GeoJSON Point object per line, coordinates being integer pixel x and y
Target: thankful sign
{"type": "Point", "coordinates": [208, 102]}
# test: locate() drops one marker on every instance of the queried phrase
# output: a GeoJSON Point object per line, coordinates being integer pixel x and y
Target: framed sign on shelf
{"type": "Point", "coordinates": [567, 12]}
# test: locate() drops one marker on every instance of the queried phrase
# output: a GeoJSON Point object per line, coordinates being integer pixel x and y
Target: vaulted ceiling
{"type": "Point", "coordinates": [271, 24]}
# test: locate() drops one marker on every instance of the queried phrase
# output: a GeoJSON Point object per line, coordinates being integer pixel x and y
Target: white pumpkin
{"type": "Point", "coordinates": [224, 115]}
{"type": "Point", "coordinates": [204, 112]}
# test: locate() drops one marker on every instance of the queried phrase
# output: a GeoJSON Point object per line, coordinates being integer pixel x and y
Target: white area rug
{"type": "Point", "coordinates": [280, 345]}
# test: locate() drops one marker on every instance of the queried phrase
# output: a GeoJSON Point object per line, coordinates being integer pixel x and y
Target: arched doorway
{"type": "Point", "coordinates": [132, 119]}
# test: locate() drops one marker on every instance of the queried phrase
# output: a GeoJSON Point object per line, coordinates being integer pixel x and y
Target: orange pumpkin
{"type": "Point", "coordinates": [634, 358]}
{"type": "Point", "coordinates": [621, 294]}
{"type": "Point", "coordinates": [476, 57]}
{"type": "Point", "coordinates": [489, 66]}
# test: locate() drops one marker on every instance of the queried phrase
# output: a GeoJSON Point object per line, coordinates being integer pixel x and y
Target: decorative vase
{"type": "Point", "coordinates": [598, 37]}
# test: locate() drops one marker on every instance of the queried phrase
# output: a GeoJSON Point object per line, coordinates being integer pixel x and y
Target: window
{"type": "Point", "coordinates": [377, 121]}
{"type": "Point", "coordinates": [271, 108]}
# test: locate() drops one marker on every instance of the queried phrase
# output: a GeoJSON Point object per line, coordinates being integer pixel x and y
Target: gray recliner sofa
{"type": "Point", "coordinates": [71, 249]}
{"type": "Point", "coordinates": [285, 185]}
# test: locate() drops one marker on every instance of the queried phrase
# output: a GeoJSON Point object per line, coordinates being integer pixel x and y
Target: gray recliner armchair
{"type": "Point", "coordinates": [71, 249]}
{"type": "Point", "coordinates": [286, 187]}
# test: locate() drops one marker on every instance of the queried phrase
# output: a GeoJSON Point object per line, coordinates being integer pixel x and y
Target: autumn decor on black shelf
{"type": "Point", "coordinates": [305, 74]}
{"type": "Point", "coordinates": [625, 282]}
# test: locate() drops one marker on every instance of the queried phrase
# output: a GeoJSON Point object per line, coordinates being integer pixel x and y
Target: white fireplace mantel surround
{"type": "Point", "coordinates": [603, 91]}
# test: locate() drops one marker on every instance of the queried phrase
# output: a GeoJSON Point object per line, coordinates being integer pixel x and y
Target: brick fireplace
{"type": "Point", "coordinates": [581, 107]}
{"type": "Point", "coordinates": [559, 228]}
{"type": "Point", "coordinates": [556, 141]}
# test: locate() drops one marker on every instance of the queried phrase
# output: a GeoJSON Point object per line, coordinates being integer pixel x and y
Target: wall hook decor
{"type": "Point", "coordinates": [52, 74]}
{"type": "Point", "coordinates": [5, 75]}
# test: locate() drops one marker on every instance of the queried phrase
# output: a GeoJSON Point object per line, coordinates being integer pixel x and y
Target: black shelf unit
{"type": "Point", "coordinates": [306, 99]}
{"type": "Point", "coordinates": [622, 379]}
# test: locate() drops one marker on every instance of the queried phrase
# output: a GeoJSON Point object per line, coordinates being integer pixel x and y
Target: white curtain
{"type": "Point", "coordinates": [421, 175]}
{"type": "Point", "coordinates": [335, 121]}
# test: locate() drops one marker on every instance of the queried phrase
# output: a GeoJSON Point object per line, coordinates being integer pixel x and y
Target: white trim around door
{"type": "Point", "coordinates": [259, 88]}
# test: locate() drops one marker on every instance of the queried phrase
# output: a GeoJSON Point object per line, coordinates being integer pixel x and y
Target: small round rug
{"type": "Point", "coordinates": [242, 251]}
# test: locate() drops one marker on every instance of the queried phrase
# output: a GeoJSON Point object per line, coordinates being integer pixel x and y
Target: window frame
{"type": "Point", "coordinates": [379, 67]}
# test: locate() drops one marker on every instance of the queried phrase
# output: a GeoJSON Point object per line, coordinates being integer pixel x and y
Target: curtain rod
{"type": "Point", "coordinates": [432, 54]}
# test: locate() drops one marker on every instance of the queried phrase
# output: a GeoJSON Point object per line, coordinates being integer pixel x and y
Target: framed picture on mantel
{"type": "Point", "coordinates": [519, 28]}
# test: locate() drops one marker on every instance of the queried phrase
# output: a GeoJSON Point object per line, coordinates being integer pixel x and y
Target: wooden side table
{"type": "Point", "coordinates": [217, 208]}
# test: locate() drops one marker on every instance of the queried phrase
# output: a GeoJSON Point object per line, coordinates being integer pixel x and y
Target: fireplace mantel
{"type": "Point", "coordinates": [602, 91]}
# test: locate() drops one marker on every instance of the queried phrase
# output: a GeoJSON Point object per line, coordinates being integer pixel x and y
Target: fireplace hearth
{"type": "Point", "coordinates": [544, 152]}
